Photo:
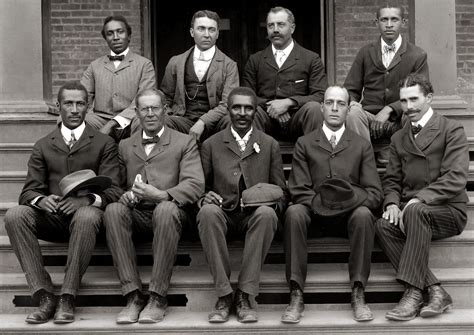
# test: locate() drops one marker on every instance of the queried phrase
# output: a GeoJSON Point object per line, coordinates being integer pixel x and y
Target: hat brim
{"type": "Point", "coordinates": [360, 195]}
{"type": "Point", "coordinates": [95, 184]}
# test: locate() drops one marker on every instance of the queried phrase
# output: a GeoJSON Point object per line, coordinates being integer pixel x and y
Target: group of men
{"type": "Point", "coordinates": [160, 177]}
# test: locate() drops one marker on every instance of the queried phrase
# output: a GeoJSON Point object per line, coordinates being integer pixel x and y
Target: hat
{"type": "Point", "coordinates": [83, 179]}
{"type": "Point", "coordinates": [337, 196]}
{"type": "Point", "coordinates": [261, 194]}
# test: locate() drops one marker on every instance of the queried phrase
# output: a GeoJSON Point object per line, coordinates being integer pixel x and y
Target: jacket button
{"type": "Point", "coordinates": [328, 176]}
{"type": "Point", "coordinates": [332, 156]}
{"type": "Point", "coordinates": [235, 173]}
{"type": "Point", "coordinates": [146, 163]}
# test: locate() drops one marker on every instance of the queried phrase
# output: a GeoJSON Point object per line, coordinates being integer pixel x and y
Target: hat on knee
{"type": "Point", "coordinates": [83, 179]}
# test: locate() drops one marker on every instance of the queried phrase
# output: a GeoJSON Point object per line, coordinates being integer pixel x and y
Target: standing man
{"type": "Point", "coordinates": [425, 197]}
{"type": "Point", "coordinates": [234, 160]}
{"type": "Point", "coordinates": [332, 166]}
{"type": "Point", "coordinates": [44, 214]}
{"type": "Point", "coordinates": [162, 172]}
{"type": "Point", "coordinates": [289, 81]}
{"type": "Point", "coordinates": [198, 81]}
{"type": "Point", "coordinates": [114, 80]}
{"type": "Point", "coordinates": [372, 81]}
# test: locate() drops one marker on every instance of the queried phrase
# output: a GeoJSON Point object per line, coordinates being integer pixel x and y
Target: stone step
{"type": "Point", "coordinates": [178, 321]}
{"type": "Point", "coordinates": [324, 283]}
{"type": "Point", "coordinates": [452, 252]}
{"type": "Point", "coordinates": [14, 156]}
{"type": "Point", "coordinates": [25, 127]}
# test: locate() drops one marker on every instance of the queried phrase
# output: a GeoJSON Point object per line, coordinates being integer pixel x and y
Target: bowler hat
{"type": "Point", "coordinates": [83, 179]}
{"type": "Point", "coordinates": [337, 196]}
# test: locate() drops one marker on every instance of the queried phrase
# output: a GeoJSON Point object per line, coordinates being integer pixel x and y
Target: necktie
{"type": "Point", "coordinates": [332, 140]}
{"type": "Point", "coordinates": [416, 129]}
{"type": "Point", "coordinates": [72, 141]}
{"type": "Point", "coordinates": [201, 56]}
{"type": "Point", "coordinates": [389, 48]}
{"type": "Point", "coordinates": [279, 54]}
{"type": "Point", "coordinates": [116, 58]}
{"type": "Point", "coordinates": [152, 140]}
{"type": "Point", "coordinates": [242, 144]}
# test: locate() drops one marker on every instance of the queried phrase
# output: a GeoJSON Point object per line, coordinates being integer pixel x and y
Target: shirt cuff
{"type": "Point", "coordinates": [98, 201]}
{"type": "Point", "coordinates": [34, 202]}
{"type": "Point", "coordinates": [122, 121]}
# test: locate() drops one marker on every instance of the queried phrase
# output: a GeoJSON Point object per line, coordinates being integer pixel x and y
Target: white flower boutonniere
{"type": "Point", "coordinates": [256, 147]}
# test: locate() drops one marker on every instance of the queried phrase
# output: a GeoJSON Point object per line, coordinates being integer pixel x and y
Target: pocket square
{"type": "Point", "coordinates": [299, 81]}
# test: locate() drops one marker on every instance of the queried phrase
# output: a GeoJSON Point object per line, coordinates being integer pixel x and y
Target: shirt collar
{"type": "Point", "coordinates": [66, 132]}
{"type": "Point", "coordinates": [145, 136]}
{"type": "Point", "coordinates": [237, 136]}
{"type": "Point", "coordinates": [397, 43]}
{"type": "Point", "coordinates": [287, 50]}
{"type": "Point", "coordinates": [328, 132]}
{"type": "Point", "coordinates": [124, 53]}
{"type": "Point", "coordinates": [424, 119]}
{"type": "Point", "coordinates": [207, 54]}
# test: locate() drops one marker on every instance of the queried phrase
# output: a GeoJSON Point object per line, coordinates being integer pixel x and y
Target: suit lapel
{"type": "Point", "coordinates": [137, 147]}
{"type": "Point", "coordinates": [270, 58]}
{"type": "Point", "coordinates": [323, 141]}
{"type": "Point", "coordinates": [428, 133]}
{"type": "Point", "coordinates": [250, 149]}
{"type": "Point", "coordinates": [375, 52]}
{"type": "Point", "coordinates": [230, 142]}
{"type": "Point", "coordinates": [214, 66]}
{"type": "Point", "coordinates": [83, 141]}
{"type": "Point", "coordinates": [292, 58]}
{"type": "Point", "coordinates": [180, 68]}
{"type": "Point", "coordinates": [398, 56]}
{"type": "Point", "coordinates": [129, 58]}
{"type": "Point", "coordinates": [159, 147]}
{"type": "Point", "coordinates": [108, 65]}
{"type": "Point", "coordinates": [344, 142]}
{"type": "Point", "coordinates": [57, 141]}
{"type": "Point", "coordinates": [408, 141]}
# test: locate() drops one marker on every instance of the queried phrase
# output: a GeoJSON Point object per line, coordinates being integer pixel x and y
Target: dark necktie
{"type": "Point", "coordinates": [115, 58]}
{"type": "Point", "coordinates": [416, 129]}
{"type": "Point", "coordinates": [388, 48]}
{"type": "Point", "coordinates": [146, 141]}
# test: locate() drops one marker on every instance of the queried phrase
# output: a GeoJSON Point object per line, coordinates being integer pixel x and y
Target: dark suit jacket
{"type": "Point", "coordinates": [314, 161]}
{"type": "Point", "coordinates": [112, 90]}
{"type": "Point", "coordinates": [433, 167]}
{"type": "Point", "coordinates": [302, 77]}
{"type": "Point", "coordinates": [224, 164]}
{"type": "Point", "coordinates": [377, 86]}
{"type": "Point", "coordinates": [173, 165]}
{"type": "Point", "coordinates": [222, 77]}
{"type": "Point", "coordinates": [52, 159]}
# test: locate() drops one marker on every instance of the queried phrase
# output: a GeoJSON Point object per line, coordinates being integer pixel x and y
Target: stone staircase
{"type": "Point", "coordinates": [191, 295]}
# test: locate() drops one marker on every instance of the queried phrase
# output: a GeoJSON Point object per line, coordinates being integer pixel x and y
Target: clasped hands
{"type": "Point", "coordinates": [142, 191]}
{"type": "Point", "coordinates": [278, 109]}
{"type": "Point", "coordinates": [55, 204]}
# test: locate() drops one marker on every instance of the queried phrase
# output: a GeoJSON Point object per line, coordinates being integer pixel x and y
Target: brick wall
{"type": "Point", "coordinates": [75, 34]}
{"type": "Point", "coordinates": [465, 49]}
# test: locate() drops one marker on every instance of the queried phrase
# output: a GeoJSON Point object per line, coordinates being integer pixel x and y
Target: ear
{"type": "Point", "coordinates": [429, 97]}
{"type": "Point", "coordinates": [57, 104]}
{"type": "Point", "coordinates": [191, 31]}
{"type": "Point", "coordinates": [293, 26]}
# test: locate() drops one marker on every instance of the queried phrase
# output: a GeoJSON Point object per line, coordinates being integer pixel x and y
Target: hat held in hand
{"type": "Point", "coordinates": [337, 196]}
{"type": "Point", "coordinates": [83, 179]}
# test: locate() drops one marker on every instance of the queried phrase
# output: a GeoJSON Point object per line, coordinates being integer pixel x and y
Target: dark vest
{"type": "Point", "coordinates": [197, 101]}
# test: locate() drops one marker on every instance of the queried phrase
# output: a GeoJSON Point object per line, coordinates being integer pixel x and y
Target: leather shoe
{"type": "Point", "coordinates": [155, 310]}
{"type": "Point", "coordinates": [245, 313]}
{"type": "Point", "coordinates": [295, 310]}
{"type": "Point", "coordinates": [439, 301]}
{"type": "Point", "coordinates": [136, 301]}
{"type": "Point", "coordinates": [221, 310]}
{"type": "Point", "coordinates": [65, 310]}
{"type": "Point", "coordinates": [46, 308]}
{"type": "Point", "coordinates": [360, 309]}
{"type": "Point", "coordinates": [408, 307]}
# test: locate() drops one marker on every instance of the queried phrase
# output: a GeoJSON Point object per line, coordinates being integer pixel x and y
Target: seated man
{"type": "Point", "coordinates": [234, 160]}
{"type": "Point", "coordinates": [289, 81]}
{"type": "Point", "coordinates": [425, 197]}
{"type": "Point", "coordinates": [329, 165]}
{"type": "Point", "coordinates": [46, 213]}
{"type": "Point", "coordinates": [114, 80]}
{"type": "Point", "coordinates": [162, 172]}
{"type": "Point", "coordinates": [374, 76]}
{"type": "Point", "coordinates": [197, 82]}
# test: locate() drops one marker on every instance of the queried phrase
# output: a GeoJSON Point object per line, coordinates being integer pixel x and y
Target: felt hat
{"type": "Point", "coordinates": [83, 179]}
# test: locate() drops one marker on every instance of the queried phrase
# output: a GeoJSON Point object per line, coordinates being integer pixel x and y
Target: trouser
{"type": "Point", "coordinates": [25, 225]}
{"type": "Point", "coordinates": [359, 226]}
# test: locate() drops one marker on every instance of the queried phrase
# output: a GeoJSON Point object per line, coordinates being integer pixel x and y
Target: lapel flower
{"type": "Point", "coordinates": [256, 147]}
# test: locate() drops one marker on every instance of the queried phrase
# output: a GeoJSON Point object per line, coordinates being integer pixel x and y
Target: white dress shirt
{"type": "Point", "coordinates": [149, 147]}
{"type": "Point", "coordinates": [241, 141]}
{"type": "Point", "coordinates": [282, 55]}
{"type": "Point", "coordinates": [122, 121]}
{"type": "Point", "coordinates": [424, 119]}
{"type": "Point", "coordinates": [387, 57]}
{"type": "Point", "coordinates": [202, 60]}
{"type": "Point", "coordinates": [328, 132]}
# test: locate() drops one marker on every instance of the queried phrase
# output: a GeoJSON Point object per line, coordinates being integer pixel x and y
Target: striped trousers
{"type": "Point", "coordinates": [25, 225]}
{"type": "Point", "coordinates": [409, 253]}
{"type": "Point", "coordinates": [165, 222]}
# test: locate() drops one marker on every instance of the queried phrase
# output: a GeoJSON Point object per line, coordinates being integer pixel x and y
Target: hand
{"type": "Point", "coordinates": [384, 114]}
{"type": "Point", "coordinates": [277, 107]}
{"type": "Point", "coordinates": [128, 199]}
{"type": "Point", "coordinates": [197, 129]}
{"type": "Point", "coordinates": [70, 205]}
{"type": "Point", "coordinates": [94, 120]}
{"type": "Point", "coordinates": [49, 203]}
{"type": "Point", "coordinates": [212, 198]}
{"type": "Point", "coordinates": [149, 193]}
{"type": "Point", "coordinates": [107, 128]}
{"type": "Point", "coordinates": [409, 203]}
{"type": "Point", "coordinates": [284, 118]}
{"type": "Point", "coordinates": [392, 214]}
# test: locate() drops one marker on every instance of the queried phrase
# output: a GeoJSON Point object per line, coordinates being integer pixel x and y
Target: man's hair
{"type": "Point", "coordinates": [151, 91]}
{"type": "Point", "coordinates": [342, 88]}
{"type": "Point", "coordinates": [274, 10]}
{"type": "Point", "coordinates": [116, 18]}
{"type": "Point", "coordinates": [205, 13]}
{"type": "Point", "coordinates": [414, 79]}
{"type": "Point", "coordinates": [400, 8]}
{"type": "Point", "coordinates": [245, 91]}
{"type": "Point", "coordinates": [72, 85]}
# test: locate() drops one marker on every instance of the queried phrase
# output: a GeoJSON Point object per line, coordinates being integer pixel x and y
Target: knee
{"type": "Point", "coordinates": [209, 216]}
{"type": "Point", "coordinates": [295, 216]}
{"type": "Point", "coordinates": [266, 216]}
{"type": "Point", "coordinates": [381, 226]}
{"type": "Point", "coordinates": [87, 219]}
{"type": "Point", "coordinates": [166, 213]}
{"type": "Point", "coordinates": [312, 106]}
{"type": "Point", "coordinates": [112, 212]}
{"type": "Point", "coordinates": [14, 217]}
{"type": "Point", "coordinates": [362, 217]}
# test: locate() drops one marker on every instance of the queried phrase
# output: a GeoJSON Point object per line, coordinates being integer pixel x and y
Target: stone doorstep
{"type": "Point", "coordinates": [459, 321]}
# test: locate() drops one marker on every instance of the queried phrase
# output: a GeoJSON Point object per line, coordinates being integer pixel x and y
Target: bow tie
{"type": "Point", "coordinates": [416, 129]}
{"type": "Point", "coordinates": [114, 58]}
{"type": "Point", "coordinates": [388, 48]}
{"type": "Point", "coordinates": [152, 140]}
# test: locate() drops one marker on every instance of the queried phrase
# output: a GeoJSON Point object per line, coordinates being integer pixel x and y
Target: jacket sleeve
{"type": "Point", "coordinates": [231, 81]}
{"type": "Point", "coordinates": [168, 84]}
{"type": "Point", "coordinates": [277, 176]}
{"type": "Point", "coordinates": [369, 178]}
{"type": "Point", "coordinates": [249, 77]}
{"type": "Point", "coordinates": [36, 183]}
{"type": "Point", "coordinates": [393, 179]}
{"type": "Point", "coordinates": [317, 82]}
{"type": "Point", "coordinates": [109, 166]}
{"type": "Point", "coordinates": [354, 82]}
{"type": "Point", "coordinates": [300, 183]}
{"type": "Point", "coordinates": [89, 83]}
